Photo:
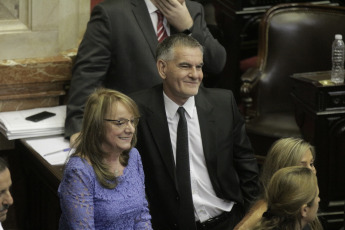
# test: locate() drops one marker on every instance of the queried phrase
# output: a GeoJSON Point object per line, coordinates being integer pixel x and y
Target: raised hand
{"type": "Point", "coordinates": [176, 12]}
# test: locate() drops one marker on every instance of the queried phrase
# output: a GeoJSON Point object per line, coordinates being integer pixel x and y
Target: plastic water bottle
{"type": "Point", "coordinates": [338, 50]}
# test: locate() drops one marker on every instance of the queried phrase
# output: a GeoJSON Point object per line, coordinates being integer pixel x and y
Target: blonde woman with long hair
{"type": "Point", "coordinates": [283, 153]}
{"type": "Point", "coordinates": [103, 182]}
{"type": "Point", "coordinates": [292, 200]}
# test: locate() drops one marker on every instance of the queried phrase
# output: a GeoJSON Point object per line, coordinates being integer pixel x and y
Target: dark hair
{"type": "Point", "coordinates": [165, 48]}
{"type": "Point", "coordinates": [3, 164]}
{"type": "Point", "coordinates": [89, 142]}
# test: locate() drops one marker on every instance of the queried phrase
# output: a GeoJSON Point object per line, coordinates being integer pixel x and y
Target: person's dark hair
{"type": "Point", "coordinates": [165, 49]}
{"type": "Point", "coordinates": [89, 142]}
{"type": "Point", "coordinates": [3, 164]}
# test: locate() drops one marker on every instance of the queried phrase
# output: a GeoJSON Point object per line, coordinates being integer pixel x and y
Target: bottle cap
{"type": "Point", "coordinates": [338, 36]}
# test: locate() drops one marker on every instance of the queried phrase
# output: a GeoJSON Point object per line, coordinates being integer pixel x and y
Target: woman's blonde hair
{"type": "Point", "coordinates": [289, 189]}
{"type": "Point", "coordinates": [283, 153]}
{"type": "Point", "coordinates": [89, 142]}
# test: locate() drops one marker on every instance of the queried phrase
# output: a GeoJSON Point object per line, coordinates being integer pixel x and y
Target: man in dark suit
{"type": "Point", "coordinates": [223, 170]}
{"type": "Point", "coordinates": [118, 48]}
{"type": "Point", "coordinates": [6, 199]}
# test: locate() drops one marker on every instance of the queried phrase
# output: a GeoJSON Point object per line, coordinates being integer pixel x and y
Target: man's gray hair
{"type": "Point", "coordinates": [165, 48]}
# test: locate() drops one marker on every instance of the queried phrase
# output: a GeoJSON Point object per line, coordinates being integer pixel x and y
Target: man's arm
{"type": "Point", "coordinates": [244, 159]}
{"type": "Point", "coordinates": [90, 69]}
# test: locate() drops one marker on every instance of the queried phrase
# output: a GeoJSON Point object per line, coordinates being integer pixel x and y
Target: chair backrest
{"type": "Point", "coordinates": [294, 38]}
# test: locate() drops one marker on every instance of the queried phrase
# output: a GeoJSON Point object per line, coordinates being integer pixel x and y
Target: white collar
{"type": "Point", "coordinates": [171, 107]}
{"type": "Point", "coordinates": [152, 8]}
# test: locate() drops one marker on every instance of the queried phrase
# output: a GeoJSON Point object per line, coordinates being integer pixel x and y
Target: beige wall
{"type": "Point", "coordinates": [44, 28]}
{"type": "Point", "coordinates": [11, 6]}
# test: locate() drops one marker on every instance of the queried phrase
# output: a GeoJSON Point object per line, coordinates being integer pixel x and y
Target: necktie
{"type": "Point", "coordinates": [186, 212]}
{"type": "Point", "coordinates": [161, 32]}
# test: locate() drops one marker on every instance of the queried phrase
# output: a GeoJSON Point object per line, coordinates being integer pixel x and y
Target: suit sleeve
{"type": "Point", "coordinates": [91, 67]}
{"type": "Point", "coordinates": [244, 159]}
{"type": "Point", "coordinates": [214, 52]}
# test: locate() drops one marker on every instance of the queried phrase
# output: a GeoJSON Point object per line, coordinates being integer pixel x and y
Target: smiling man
{"type": "Point", "coordinates": [200, 170]}
{"type": "Point", "coordinates": [6, 199]}
{"type": "Point", "coordinates": [119, 45]}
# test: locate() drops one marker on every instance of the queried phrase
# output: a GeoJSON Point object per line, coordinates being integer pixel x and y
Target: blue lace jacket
{"type": "Point", "coordinates": [85, 204]}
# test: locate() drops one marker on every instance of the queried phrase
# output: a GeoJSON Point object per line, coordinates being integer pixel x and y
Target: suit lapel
{"type": "Point", "coordinates": [143, 19]}
{"type": "Point", "coordinates": [158, 124]}
{"type": "Point", "coordinates": [208, 131]}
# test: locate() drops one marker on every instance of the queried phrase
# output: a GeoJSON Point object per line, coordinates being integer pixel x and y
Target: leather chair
{"type": "Point", "coordinates": [293, 38]}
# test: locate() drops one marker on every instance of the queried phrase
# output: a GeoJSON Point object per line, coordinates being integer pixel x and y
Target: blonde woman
{"type": "Point", "coordinates": [283, 153]}
{"type": "Point", "coordinates": [292, 200]}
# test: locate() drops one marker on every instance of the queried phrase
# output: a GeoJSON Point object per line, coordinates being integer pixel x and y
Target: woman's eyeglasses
{"type": "Point", "coordinates": [122, 123]}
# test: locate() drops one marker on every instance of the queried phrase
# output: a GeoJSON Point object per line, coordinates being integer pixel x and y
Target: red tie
{"type": "Point", "coordinates": [161, 32]}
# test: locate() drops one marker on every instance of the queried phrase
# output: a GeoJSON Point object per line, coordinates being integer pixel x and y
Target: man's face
{"type": "Point", "coordinates": [183, 74]}
{"type": "Point", "coordinates": [6, 199]}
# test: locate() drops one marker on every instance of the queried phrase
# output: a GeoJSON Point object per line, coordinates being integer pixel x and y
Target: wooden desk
{"type": "Point", "coordinates": [26, 84]}
{"type": "Point", "coordinates": [320, 114]}
{"type": "Point", "coordinates": [42, 204]}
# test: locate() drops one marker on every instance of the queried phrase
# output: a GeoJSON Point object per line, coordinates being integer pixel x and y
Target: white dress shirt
{"type": "Point", "coordinates": [1, 227]}
{"type": "Point", "coordinates": [206, 203]}
{"type": "Point", "coordinates": [154, 18]}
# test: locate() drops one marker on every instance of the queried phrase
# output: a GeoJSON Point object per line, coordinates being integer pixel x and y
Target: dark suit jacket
{"type": "Point", "coordinates": [229, 157]}
{"type": "Point", "coordinates": [118, 52]}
